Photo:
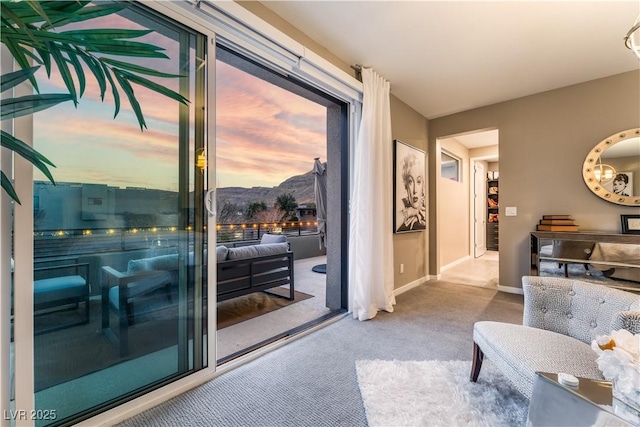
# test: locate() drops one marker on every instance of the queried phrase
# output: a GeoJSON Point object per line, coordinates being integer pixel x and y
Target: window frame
{"type": "Point", "coordinates": [444, 170]}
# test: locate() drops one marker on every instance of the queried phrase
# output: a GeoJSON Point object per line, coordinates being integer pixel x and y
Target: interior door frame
{"type": "Point", "coordinates": [478, 206]}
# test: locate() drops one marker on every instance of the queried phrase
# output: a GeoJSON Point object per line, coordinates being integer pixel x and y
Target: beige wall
{"type": "Point", "coordinates": [544, 139]}
{"type": "Point", "coordinates": [410, 249]}
{"type": "Point", "coordinates": [453, 207]}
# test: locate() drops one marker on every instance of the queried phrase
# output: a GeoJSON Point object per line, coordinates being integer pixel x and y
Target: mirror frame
{"type": "Point", "coordinates": [588, 169]}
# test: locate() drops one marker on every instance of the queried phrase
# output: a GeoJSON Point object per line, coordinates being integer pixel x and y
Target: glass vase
{"type": "Point", "coordinates": [626, 405]}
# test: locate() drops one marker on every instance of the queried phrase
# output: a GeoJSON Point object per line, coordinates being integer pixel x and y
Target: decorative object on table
{"type": "Point", "coordinates": [557, 223]}
{"type": "Point", "coordinates": [409, 204]}
{"type": "Point", "coordinates": [619, 361]}
{"type": "Point", "coordinates": [630, 224]}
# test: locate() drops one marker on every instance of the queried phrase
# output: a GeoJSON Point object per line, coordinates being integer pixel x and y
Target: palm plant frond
{"type": "Point", "coordinates": [27, 30]}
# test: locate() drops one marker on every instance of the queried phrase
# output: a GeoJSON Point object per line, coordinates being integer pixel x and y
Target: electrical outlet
{"type": "Point", "coordinates": [401, 268]}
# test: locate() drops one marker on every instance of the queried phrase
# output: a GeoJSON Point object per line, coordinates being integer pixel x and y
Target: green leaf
{"type": "Point", "coordinates": [114, 90]}
{"type": "Point", "coordinates": [128, 90]}
{"type": "Point", "coordinates": [97, 71]}
{"type": "Point", "coordinates": [11, 142]}
{"type": "Point", "coordinates": [27, 152]}
{"type": "Point", "coordinates": [107, 34]}
{"type": "Point", "coordinates": [21, 59]}
{"type": "Point", "coordinates": [8, 13]}
{"type": "Point", "coordinates": [77, 66]}
{"type": "Point", "coordinates": [10, 80]}
{"type": "Point", "coordinates": [25, 105]}
{"type": "Point", "coordinates": [85, 13]}
{"type": "Point", "coordinates": [66, 6]}
{"type": "Point", "coordinates": [137, 68]}
{"type": "Point", "coordinates": [61, 62]}
{"type": "Point", "coordinates": [35, 5]}
{"type": "Point", "coordinates": [8, 187]}
{"type": "Point", "coordinates": [125, 48]}
{"type": "Point", "coordinates": [154, 87]}
{"type": "Point", "coordinates": [45, 57]}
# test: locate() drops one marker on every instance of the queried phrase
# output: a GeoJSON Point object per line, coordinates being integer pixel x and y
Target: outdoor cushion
{"type": "Point", "coordinates": [162, 262]}
{"type": "Point", "coordinates": [139, 288]}
{"type": "Point", "coordinates": [272, 248]}
{"type": "Point", "coordinates": [242, 252]}
{"type": "Point", "coordinates": [221, 253]}
{"type": "Point", "coordinates": [273, 238]}
{"type": "Point", "coordinates": [58, 288]}
{"type": "Point", "coordinates": [253, 251]}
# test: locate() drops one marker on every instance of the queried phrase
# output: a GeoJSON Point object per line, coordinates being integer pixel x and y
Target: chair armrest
{"type": "Point", "coordinates": [117, 278]}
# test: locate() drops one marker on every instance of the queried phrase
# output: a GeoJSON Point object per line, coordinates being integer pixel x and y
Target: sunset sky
{"type": "Point", "coordinates": [264, 134]}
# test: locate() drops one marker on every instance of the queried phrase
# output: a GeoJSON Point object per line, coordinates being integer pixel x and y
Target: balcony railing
{"type": "Point", "coordinates": [70, 242]}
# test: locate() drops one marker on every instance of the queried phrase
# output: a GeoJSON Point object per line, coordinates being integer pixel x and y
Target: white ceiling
{"type": "Point", "coordinates": [443, 57]}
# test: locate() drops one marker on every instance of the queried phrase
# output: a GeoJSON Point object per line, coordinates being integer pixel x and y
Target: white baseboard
{"type": "Point", "coordinates": [454, 263]}
{"type": "Point", "coordinates": [511, 290]}
{"type": "Point", "coordinates": [411, 285]}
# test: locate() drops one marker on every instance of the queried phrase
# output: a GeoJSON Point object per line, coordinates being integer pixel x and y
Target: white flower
{"type": "Point", "coordinates": [619, 359]}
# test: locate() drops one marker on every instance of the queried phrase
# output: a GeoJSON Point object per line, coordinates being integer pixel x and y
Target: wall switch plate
{"type": "Point", "coordinates": [511, 211]}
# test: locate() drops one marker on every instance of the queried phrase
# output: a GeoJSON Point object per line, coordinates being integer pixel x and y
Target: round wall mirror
{"type": "Point", "coordinates": [612, 168]}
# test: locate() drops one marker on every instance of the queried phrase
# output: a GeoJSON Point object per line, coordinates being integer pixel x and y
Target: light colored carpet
{"type": "Point", "coordinates": [437, 393]}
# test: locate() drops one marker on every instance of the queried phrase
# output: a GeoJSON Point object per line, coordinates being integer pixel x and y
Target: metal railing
{"type": "Point", "coordinates": [69, 242]}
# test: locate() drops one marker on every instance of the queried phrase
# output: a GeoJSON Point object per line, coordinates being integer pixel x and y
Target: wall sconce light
{"type": "Point", "coordinates": [632, 39]}
{"type": "Point", "coordinates": [201, 159]}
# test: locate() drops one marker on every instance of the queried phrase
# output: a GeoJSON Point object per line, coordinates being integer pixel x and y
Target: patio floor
{"type": "Point", "coordinates": [245, 334]}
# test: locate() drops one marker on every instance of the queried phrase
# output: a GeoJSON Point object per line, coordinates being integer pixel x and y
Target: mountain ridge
{"type": "Point", "coordinates": [299, 186]}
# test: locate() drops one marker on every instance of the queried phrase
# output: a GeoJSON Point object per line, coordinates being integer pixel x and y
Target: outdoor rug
{"type": "Point", "coordinates": [437, 393]}
{"type": "Point", "coordinates": [247, 307]}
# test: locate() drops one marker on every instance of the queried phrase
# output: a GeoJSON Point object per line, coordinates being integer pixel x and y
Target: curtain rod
{"type": "Point", "coordinates": [358, 71]}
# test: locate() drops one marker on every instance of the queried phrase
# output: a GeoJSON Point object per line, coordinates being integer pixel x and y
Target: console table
{"type": "Point", "coordinates": [615, 256]}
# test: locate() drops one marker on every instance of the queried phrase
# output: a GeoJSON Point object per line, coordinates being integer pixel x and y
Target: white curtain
{"type": "Point", "coordinates": [370, 234]}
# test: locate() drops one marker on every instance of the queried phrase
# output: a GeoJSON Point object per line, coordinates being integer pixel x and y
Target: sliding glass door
{"type": "Point", "coordinates": [119, 240]}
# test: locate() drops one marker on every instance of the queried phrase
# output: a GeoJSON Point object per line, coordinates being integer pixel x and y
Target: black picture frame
{"type": "Point", "coordinates": [630, 224]}
{"type": "Point", "coordinates": [409, 188]}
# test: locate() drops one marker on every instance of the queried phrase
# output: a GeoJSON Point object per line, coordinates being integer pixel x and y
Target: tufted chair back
{"type": "Point", "coordinates": [581, 310]}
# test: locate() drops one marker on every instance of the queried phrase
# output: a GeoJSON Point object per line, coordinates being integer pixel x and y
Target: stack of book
{"type": "Point", "coordinates": [557, 223]}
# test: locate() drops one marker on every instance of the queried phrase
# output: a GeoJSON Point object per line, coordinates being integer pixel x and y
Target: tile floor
{"type": "Point", "coordinates": [481, 271]}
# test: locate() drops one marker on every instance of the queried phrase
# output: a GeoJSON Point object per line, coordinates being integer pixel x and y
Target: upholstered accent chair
{"type": "Point", "coordinates": [561, 318]}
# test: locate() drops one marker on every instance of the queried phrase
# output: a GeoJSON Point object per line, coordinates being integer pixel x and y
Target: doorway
{"type": "Point", "coordinates": [471, 252]}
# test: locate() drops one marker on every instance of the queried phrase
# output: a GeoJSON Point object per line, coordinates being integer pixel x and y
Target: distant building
{"type": "Point", "coordinates": [306, 212]}
{"type": "Point", "coordinates": [74, 206]}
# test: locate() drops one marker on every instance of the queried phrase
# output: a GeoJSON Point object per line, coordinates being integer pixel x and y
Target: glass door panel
{"type": "Point", "coordinates": [118, 242]}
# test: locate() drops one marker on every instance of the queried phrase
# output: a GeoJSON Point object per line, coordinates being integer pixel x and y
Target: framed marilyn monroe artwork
{"type": "Point", "coordinates": [410, 208]}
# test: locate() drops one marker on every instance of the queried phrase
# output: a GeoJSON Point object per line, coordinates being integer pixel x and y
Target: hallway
{"type": "Point", "coordinates": [482, 271]}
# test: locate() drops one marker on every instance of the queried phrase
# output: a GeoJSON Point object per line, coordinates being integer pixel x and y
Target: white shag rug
{"type": "Point", "coordinates": [437, 393]}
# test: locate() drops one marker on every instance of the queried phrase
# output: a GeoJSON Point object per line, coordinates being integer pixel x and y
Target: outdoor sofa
{"type": "Point", "coordinates": [150, 284]}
